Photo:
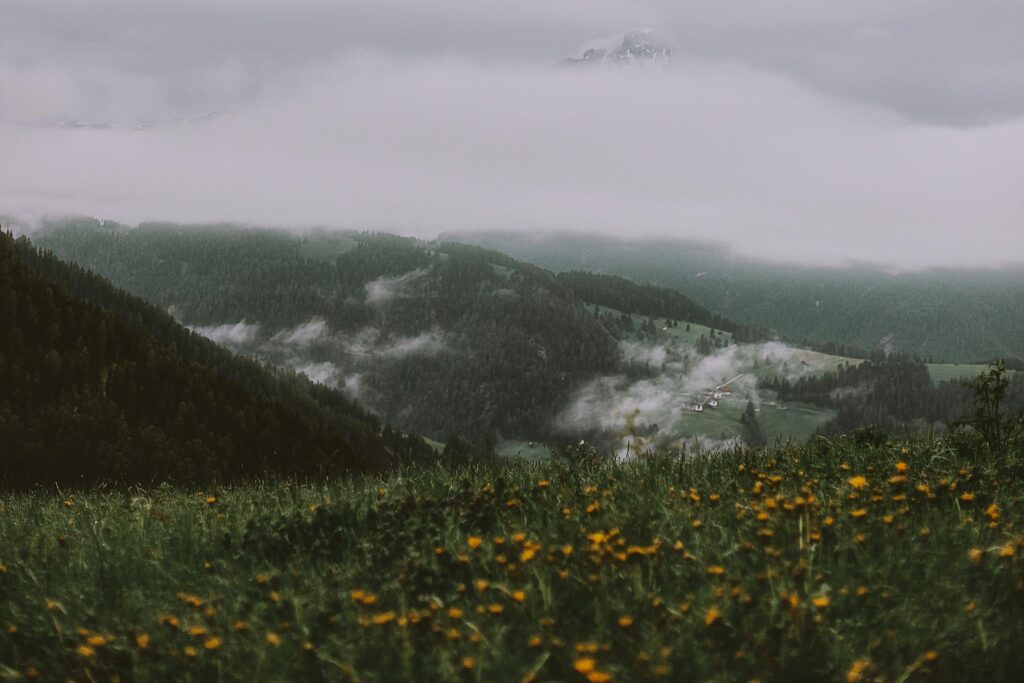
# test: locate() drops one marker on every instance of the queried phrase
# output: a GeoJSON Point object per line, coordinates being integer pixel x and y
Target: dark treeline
{"type": "Point", "coordinates": [894, 393]}
{"type": "Point", "coordinates": [656, 302]}
{"type": "Point", "coordinates": [98, 385]}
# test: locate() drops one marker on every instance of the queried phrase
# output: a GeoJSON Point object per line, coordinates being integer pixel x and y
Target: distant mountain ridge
{"type": "Point", "coordinates": [947, 315]}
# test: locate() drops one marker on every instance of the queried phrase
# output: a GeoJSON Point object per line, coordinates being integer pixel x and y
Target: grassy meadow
{"type": "Point", "coordinates": [830, 561]}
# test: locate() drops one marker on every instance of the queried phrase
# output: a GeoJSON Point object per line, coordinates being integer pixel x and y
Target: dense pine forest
{"type": "Point", "coordinates": [99, 385]}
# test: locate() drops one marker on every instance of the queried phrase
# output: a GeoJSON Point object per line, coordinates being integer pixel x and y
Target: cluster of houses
{"type": "Point", "coordinates": [710, 399]}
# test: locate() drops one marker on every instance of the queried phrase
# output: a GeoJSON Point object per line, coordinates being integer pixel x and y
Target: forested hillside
{"type": "Point", "coordinates": [442, 338]}
{"type": "Point", "coordinates": [947, 315]}
{"type": "Point", "coordinates": [655, 302]}
{"type": "Point", "coordinates": [98, 385]}
{"type": "Point", "coordinates": [436, 339]}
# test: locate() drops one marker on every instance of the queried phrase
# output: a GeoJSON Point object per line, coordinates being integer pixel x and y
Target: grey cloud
{"type": "Point", "coordinates": [426, 344]}
{"type": "Point", "coordinates": [702, 150]}
{"type": "Point", "coordinates": [385, 289]}
{"type": "Point", "coordinates": [942, 61]}
{"type": "Point", "coordinates": [230, 334]}
{"type": "Point", "coordinates": [794, 131]}
{"type": "Point", "coordinates": [303, 335]}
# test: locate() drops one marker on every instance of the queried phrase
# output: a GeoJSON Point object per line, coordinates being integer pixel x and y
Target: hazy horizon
{"type": "Point", "coordinates": [796, 133]}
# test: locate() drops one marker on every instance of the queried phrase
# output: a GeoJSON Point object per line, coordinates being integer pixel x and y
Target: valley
{"type": "Point", "coordinates": [443, 340]}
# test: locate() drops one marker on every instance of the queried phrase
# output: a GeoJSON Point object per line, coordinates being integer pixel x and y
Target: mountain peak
{"type": "Point", "coordinates": [643, 47]}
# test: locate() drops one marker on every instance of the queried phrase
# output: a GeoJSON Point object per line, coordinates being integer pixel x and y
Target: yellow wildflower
{"type": "Point", "coordinates": [858, 482]}
{"type": "Point", "coordinates": [585, 665]}
{"type": "Point", "coordinates": [857, 671]}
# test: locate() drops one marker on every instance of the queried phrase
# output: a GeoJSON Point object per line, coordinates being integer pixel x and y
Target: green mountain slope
{"type": "Point", "coordinates": [435, 338]}
{"type": "Point", "coordinates": [99, 385]}
{"type": "Point", "coordinates": [949, 315]}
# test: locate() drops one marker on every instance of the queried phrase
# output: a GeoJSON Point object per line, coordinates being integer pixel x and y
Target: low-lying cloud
{"type": "Point", "coordinates": [230, 334]}
{"type": "Point", "coordinates": [428, 144]}
{"type": "Point", "coordinates": [336, 358]}
{"type": "Point", "coordinates": [383, 290]}
{"type": "Point", "coordinates": [302, 335]}
{"type": "Point", "coordinates": [632, 408]}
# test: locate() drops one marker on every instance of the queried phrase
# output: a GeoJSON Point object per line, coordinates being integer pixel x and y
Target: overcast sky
{"type": "Point", "coordinates": [797, 130]}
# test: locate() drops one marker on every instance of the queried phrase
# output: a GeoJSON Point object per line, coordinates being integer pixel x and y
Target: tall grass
{"type": "Point", "coordinates": [825, 562]}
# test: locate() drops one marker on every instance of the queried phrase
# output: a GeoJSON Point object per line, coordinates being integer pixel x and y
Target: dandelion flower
{"type": "Point", "coordinates": [85, 651]}
{"type": "Point", "coordinates": [272, 639]}
{"type": "Point", "coordinates": [821, 602]}
{"type": "Point", "coordinates": [711, 616]}
{"type": "Point", "coordinates": [858, 482]}
{"type": "Point", "coordinates": [625, 621]}
{"type": "Point", "coordinates": [585, 665]}
{"type": "Point", "coordinates": [857, 670]}
{"type": "Point", "coordinates": [474, 542]}
{"type": "Point", "coordinates": [383, 618]}
{"type": "Point", "coordinates": [213, 644]}
{"type": "Point", "coordinates": [142, 641]}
